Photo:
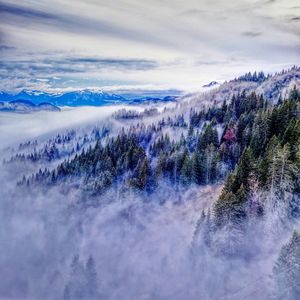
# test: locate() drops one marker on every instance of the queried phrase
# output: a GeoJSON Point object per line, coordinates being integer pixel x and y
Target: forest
{"type": "Point", "coordinates": [201, 202]}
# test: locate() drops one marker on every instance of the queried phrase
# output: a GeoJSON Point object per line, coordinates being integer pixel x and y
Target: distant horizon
{"type": "Point", "coordinates": [122, 89]}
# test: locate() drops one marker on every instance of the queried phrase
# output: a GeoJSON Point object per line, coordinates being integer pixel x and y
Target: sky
{"type": "Point", "coordinates": [150, 44]}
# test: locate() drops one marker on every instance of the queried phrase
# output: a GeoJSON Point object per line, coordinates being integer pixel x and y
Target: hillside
{"type": "Point", "coordinates": [271, 87]}
{"type": "Point", "coordinates": [200, 196]}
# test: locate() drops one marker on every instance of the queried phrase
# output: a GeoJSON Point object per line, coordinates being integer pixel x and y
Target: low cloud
{"type": "Point", "coordinates": [51, 68]}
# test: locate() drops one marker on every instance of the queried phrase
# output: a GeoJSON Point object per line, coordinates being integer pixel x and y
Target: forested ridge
{"type": "Point", "coordinates": [257, 153]}
{"type": "Point", "coordinates": [114, 183]}
{"type": "Point", "coordinates": [245, 137]}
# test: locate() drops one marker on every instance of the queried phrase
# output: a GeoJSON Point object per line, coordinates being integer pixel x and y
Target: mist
{"type": "Point", "coordinates": [62, 240]}
{"type": "Point", "coordinates": [15, 128]}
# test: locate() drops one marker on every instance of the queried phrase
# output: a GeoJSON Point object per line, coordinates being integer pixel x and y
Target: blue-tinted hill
{"type": "Point", "coordinates": [26, 106]}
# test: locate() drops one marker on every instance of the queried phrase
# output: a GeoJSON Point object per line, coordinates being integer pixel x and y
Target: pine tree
{"type": "Point", "coordinates": [67, 295]}
{"type": "Point", "coordinates": [141, 175]}
{"type": "Point", "coordinates": [160, 167]}
{"type": "Point", "coordinates": [280, 170]}
{"type": "Point", "coordinates": [292, 136]}
{"type": "Point", "coordinates": [295, 94]}
{"type": "Point", "coordinates": [243, 170]}
{"type": "Point", "coordinates": [91, 278]}
{"type": "Point", "coordinates": [186, 170]}
{"type": "Point", "coordinates": [287, 270]}
{"type": "Point", "coordinates": [209, 164]}
{"type": "Point", "coordinates": [210, 136]}
{"type": "Point", "coordinates": [76, 285]}
{"type": "Point", "coordinates": [197, 176]}
{"type": "Point", "coordinates": [260, 133]}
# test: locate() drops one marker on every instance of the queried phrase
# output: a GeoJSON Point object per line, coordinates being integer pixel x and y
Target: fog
{"type": "Point", "coordinates": [144, 247]}
{"type": "Point", "coordinates": [18, 127]}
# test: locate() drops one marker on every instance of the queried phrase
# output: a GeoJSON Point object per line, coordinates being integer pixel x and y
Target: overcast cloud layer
{"type": "Point", "coordinates": [155, 43]}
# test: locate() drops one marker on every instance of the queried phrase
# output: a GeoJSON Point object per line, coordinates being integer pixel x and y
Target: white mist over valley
{"type": "Point", "coordinates": [135, 202]}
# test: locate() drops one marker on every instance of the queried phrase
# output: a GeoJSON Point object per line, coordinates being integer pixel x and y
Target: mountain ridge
{"type": "Point", "coordinates": [26, 106]}
{"type": "Point", "coordinates": [85, 97]}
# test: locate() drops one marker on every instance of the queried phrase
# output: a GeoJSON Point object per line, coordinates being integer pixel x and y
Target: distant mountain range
{"type": "Point", "coordinates": [83, 98]}
{"type": "Point", "coordinates": [25, 106]}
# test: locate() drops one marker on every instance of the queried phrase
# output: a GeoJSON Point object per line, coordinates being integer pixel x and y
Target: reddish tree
{"type": "Point", "coordinates": [230, 135]}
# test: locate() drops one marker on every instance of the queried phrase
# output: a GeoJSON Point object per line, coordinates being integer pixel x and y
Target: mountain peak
{"type": "Point", "coordinates": [212, 83]}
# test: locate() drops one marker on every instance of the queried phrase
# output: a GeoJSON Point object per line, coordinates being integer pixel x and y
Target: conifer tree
{"type": "Point", "coordinates": [91, 278]}
{"type": "Point", "coordinates": [160, 167]}
{"type": "Point", "coordinates": [141, 174]}
{"type": "Point", "coordinates": [287, 270]}
{"type": "Point", "coordinates": [186, 170]}
{"type": "Point", "coordinates": [243, 170]}
{"type": "Point", "coordinates": [197, 175]}
{"type": "Point", "coordinates": [280, 170]}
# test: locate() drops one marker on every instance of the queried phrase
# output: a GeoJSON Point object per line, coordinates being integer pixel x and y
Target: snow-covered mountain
{"type": "Point", "coordinates": [74, 98]}
{"type": "Point", "coordinates": [86, 97]}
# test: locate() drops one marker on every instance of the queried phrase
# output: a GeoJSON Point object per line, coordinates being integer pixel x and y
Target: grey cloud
{"type": "Point", "coordinates": [77, 64]}
{"type": "Point", "coordinates": [11, 9]}
{"type": "Point", "coordinates": [79, 24]}
{"type": "Point", "coordinates": [270, 1]}
{"type": "Point", "coordinates": [229, 60]}
{"type": "Point", "coordinates": [201, 14]}
{"type": "Point", "coordinates": [36, 69]}
{"type": "Point", "coordinates": [6, 47]}
{"type": "Point", "coordinates": [193, 12]}
{"type": "Point", "coordinates": [61, 20]}
{"type": "Point", "coordinates": [15, 71]}
{"type": "Point", "coordinates": [209, 62]}
{"type": "Point", "coordinates": [251, 33]}
{"type": "Point", "coordinates": [137, 64]}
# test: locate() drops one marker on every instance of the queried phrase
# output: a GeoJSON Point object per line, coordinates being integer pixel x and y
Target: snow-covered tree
{"type": "Point", "coordinates": [287, 270]}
